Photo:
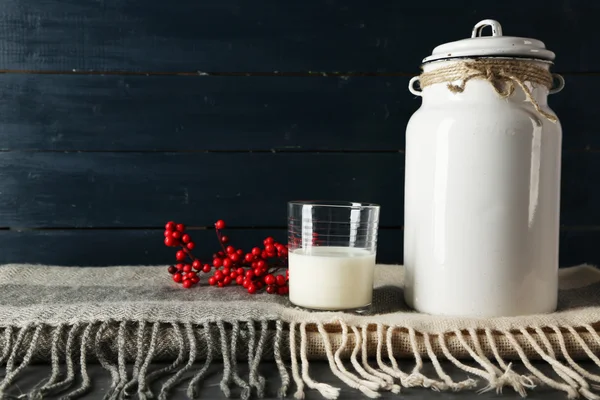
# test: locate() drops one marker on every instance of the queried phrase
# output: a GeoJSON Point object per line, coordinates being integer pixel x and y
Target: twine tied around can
{"type": "Point", "coordinates": [503, 75]}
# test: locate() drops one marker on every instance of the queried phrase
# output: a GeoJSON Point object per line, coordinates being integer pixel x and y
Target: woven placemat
{"type": "Point", "coordinates": [70, 316]}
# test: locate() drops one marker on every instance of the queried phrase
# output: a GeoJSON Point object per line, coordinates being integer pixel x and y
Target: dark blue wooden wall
{"type": "Point", "coordinates": [119, 115]}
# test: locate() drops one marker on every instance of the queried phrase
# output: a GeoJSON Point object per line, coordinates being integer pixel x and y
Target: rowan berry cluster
{"type": "Point", "coordinates": [256, 270]}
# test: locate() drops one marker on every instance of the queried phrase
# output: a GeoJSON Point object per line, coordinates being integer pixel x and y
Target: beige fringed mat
{"type": "Point", "coordinates": [70, 317]}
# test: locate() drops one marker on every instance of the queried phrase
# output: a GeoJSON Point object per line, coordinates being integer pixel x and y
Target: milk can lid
{"type": "Point", "coordinates": [496, 45]}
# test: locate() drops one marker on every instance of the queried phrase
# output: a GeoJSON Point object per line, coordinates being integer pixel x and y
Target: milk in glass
{"type": "Point", "coordinates": [331, 278]}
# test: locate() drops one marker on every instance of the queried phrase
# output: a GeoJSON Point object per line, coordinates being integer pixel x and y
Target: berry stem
{"type": "Point", "coordinates": [188, 252]}
{"type": "Point", "coordinates": [219, 236]}
{"type": "Point", "coordinates": [274, 269]}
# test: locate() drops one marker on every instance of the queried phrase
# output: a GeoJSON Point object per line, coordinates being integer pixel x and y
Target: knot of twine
{"type": "Point", "coordinates": [503, 75]}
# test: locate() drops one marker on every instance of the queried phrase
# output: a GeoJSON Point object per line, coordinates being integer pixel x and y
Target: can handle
{"type": "Point", "coordinates": [495, 25]}
{"type": "Point", "coordinates": [561, 84]}
{"type": "Point", "coordinates": [411, 86]}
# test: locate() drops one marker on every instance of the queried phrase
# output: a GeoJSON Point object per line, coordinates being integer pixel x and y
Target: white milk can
{"type": "Point", "coordinates": [482, 190]}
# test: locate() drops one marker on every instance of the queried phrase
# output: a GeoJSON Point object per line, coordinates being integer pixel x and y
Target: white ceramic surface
{"type": "Point", "coordinates": [331, 278]}
{"type": "Point", "coordinates": [482, 194]}
{"type": "Point", "coordinates": [496, 45]}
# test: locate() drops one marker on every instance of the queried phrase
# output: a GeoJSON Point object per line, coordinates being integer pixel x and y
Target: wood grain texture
{"type": "Point", "coordinates": [238, 35]}
{"type": "Point", "coordinates": [147, 189]}
{"type": "Point", "coordinates": [69, 112]}
{"type": "Point", "coordinates": [146, 149]}
{"type": "Point", "coordinates": [579, 246]}
{"type": "Point", "coordinates": [137, 113]}
{"type": "Point", "coordinates": [83, 247]}
{"type": "Point", "coordinates": [249, 190]}
{"type": "Point", "coordinates": [143, 247]}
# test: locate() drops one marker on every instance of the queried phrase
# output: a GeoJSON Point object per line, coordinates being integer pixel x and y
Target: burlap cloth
{"type": "Point", "coordinates": [118, 315]}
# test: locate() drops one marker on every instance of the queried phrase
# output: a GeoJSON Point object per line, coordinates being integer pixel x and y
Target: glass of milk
{"type": "Point", "coordinates": [332, 247]}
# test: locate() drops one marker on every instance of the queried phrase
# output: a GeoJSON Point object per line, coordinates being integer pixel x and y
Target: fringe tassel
{"type": "Point", "coordinates": [475, 371]}
{"type": "Point", "coordinates": [155, 375]}
{"type": "Point", "coordinates": [595, 336]}
{"type": "Point", "coordinates": [396, 373]}
{"type": "Point", "coordinates": [593, 332]}
{"type": "Point", "coordinates": [368, 388]}
{"type": "Point", "coordinates": [491, 376]}
{"type": "Point", "coordinates": [295, 370]}
{"type": "Point", "coordinates": [122, 369]}
{"type": "Point", "coordinates": [572, 378]}
{"type": "Point", "coordinates": [567, 356]}
{"type": "Point", "coordinates": [519, 382]}
{"type": "Point", "coordinates": [8, 334]}
{"type": "Point", "coordinates": [365, 362]}
{"type": "Point", "coordinates": [20, 345]}
{"type": "Point", "coordinates": [226, 361]}
{"type": "Point", "coordinates": [571, 392]}
{"type": "Point", "coordinates": [283, 374]}
{"type": "Point", "coordinates": [112, 369]}
{"type": "Point", "coordinates": [38, 392]}
{"type": "Point", "coordinates": [376, 384]}
{"type": "Point", "coordinates": [85, 378]}
{"type": "Point", "coordinates": [141, 333]}
{"type": "Point", "coordinates": [246, 391]}
{"type": "Point", "coordinates": [467, 384]}
{"type": "Point", "coordinates": [66, 383]}
{"type": "Point", "coordinates": [193, 391]}
{"type": "Point", "coordinates": [251, 345]}
{"type": "Point", "coordinates": [585, 348]}
{"type": "Point", "coordinates": [327, 391]}
{"type": "Point", "coordinates": [10, 376]}
{"type": "Point", "coordinates": [10, 364]}
{"type": "Point", "coordinates": [565, 373]}
{"type": "Point", "coordinates": [506, 377]}
{"type": "Point", "coordinates": [359, 368]}
{"type": "Point", "coordinates": [143, 391]}
{"type": "Point", "coordinates": [175, 379]}
{"type": "Point", "coordinates": [416, 377]}
{"type": "Point", "coordinates": [404, 377]}
{"type": "Point", "coordinates": [584, 344]}
{"type": "Point", "coordinates": [255, 378]}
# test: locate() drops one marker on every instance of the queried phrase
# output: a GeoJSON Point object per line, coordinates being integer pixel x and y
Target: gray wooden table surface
{"type": "Point", "coordinates": [209, 389]}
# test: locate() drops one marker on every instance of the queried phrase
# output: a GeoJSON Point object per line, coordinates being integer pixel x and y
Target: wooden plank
{"type": "Point", "coordinates": [248, 190]}
{"type": "Point", "coordinates": [579, 192]}
{"type": "Point", "coordinates": [83, 247]}
{"type": "Point", "coordinates": [145, 190]}
{"type": "Point", "coordinates": [142, 247]}
{"type": "Point", "coordinates": [125, 113]}
{"type": "Point", "coordinates": [68, 112]}
{"type": "Point", "coordinates": [572, 105]}
{"type": "Point", "coordinates": [579, 246]}
{"type": "Point", "coordinates": [240, 35]}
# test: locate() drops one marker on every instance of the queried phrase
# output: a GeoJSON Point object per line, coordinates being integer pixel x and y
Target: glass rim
{"type": "Point", "coordinates": [334, 204]}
